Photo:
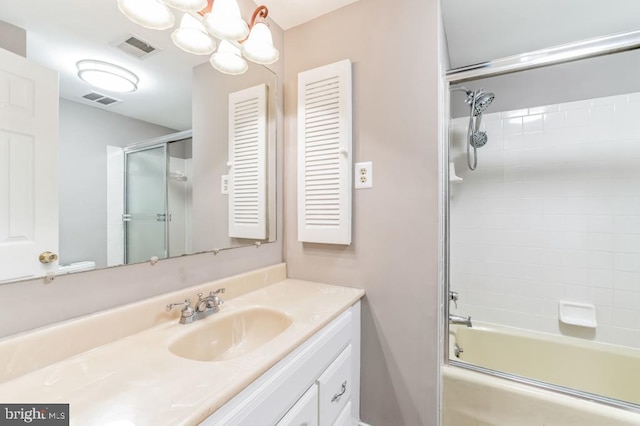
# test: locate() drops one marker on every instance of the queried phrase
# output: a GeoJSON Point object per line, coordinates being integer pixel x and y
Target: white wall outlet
{"type": "Point", "coordinates": [363, 175]}
{"type": "Point", "coordinates": [224, 185]}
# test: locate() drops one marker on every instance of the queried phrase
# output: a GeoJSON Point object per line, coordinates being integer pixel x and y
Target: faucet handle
{"type": "Point", "coordinates": [217, 298]}
{"type": "Point", "coordinates": [187, 306]}
{"type": "Point", "coordinates": [453, 296]}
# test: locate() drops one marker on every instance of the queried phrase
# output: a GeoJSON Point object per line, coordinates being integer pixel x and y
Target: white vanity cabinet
{"type": "Point", "coordinates": [316, 384]}
{"type": "Point", "coordinates": [305, 412]}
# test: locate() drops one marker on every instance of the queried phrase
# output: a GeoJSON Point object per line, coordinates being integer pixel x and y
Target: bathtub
{"type": "Point", "coordinates": [475, 398]}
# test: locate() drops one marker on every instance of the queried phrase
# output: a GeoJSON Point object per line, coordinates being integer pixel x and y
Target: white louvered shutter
{"type": "Point", "coordinates": [248, 162]}
{"type": "Point", "coordinates": [324, 154]}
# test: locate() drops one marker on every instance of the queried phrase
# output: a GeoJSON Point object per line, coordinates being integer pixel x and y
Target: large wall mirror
{"type": "Point", "coordinates": [544, 228]}
{"type": "Point", "coordinates": [144, 174]}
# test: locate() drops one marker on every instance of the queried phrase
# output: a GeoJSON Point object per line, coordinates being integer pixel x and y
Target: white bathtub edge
{"type": "Point", "coordinates": [564, 409]}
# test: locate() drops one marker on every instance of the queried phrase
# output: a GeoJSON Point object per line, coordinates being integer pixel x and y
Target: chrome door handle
{"type": "Point", "coordinates": [339, 394]}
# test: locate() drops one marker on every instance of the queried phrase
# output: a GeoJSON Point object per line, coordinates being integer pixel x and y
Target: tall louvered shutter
{"type": "Point", "coordinates": [247, 159]}
{"type": "Point", "coordinates": [324, 154]}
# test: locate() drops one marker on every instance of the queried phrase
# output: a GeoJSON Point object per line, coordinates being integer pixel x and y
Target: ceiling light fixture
{"type": "Point", "coordinates": [192, 37]}
{"type": "Point", "coordinates": [217, 18]}
{"type": "Point", "coordinates": [107, 76]}
{"type": "Point", "coordinates": [228, 59]}
{"type": "Point", "coordinates": [153, 14]}
{"type": "Point", "coordinates": [187, 5]}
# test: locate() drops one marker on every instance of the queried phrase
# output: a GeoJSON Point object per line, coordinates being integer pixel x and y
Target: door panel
{"type": "Point", "coordinates": [28, 166]}
{"type": "Point", "coordinates": [146, 204]}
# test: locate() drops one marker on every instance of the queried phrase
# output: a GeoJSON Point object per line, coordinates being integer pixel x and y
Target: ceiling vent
{"type": "Point", "coordinates": [100, 98]}
{"type": "Point", "coordinates": [134, 46]}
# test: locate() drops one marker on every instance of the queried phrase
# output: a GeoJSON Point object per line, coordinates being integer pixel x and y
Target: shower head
{"type": "Point", "coordinates": [479, 139]}
{"type": "Point", "coordinates": [482, 102]}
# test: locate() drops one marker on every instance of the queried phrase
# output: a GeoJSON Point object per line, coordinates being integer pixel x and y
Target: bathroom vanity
{"type": "Point", "coordinates": [279, 351]}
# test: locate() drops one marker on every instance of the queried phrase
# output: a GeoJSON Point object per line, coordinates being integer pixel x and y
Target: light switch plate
{"type": "Point", "coordinates": [224, 185]}
{"type": "Point", "coordinates": [363, 175]}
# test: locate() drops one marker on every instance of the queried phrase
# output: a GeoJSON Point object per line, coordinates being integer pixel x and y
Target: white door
{"type": "Point", "coordinates": [28, 167]}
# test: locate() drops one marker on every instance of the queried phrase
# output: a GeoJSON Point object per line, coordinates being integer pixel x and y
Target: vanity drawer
{"type": "Point", "coordinates": [334, 387]}
{"type": "Point", "coordinates": [305, 411]}
{"type": "Point", "coordinates": [344, 418]}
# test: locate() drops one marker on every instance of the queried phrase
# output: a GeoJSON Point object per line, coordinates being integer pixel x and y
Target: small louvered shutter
{"type": "Point", "coordinates": [247, 159]}
{"type": "Point", "coordinates": [324, 154]}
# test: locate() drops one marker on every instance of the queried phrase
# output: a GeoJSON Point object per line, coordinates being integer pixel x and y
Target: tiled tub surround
{"type": "Point", "coordinates": [116, 365]}
{"type": "Point", "coordinates": [551, 213]}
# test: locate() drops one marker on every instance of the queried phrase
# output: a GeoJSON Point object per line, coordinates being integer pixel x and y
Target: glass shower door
{"type": "Point", "coordinates": [145, 215]}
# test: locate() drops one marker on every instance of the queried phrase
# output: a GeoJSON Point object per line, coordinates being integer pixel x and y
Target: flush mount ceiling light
{"type": "Point", "coordinates": [192, 37]}
{"type": "Point", "coordinates": [153, 14]}
{"type": "Point", "coordinates": [107, 76]}
{"type": "Point", "coordinates": [214, 18]}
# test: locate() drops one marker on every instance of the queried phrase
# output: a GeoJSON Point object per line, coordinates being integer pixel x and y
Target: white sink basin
{"type": "Point", "coordinates": [231, 336]}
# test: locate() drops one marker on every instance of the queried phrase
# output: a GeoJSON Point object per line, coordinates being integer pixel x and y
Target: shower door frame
{"type": "Point", "coordinates": [142, 146]}
{"type": "Point", "coordinates": [555, 55]}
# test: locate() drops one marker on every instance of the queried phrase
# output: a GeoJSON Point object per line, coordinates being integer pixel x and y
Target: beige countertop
{"type": "Point", "coordinates": [136, 380]}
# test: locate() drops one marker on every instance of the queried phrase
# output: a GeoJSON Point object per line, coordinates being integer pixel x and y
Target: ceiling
{"type": "Point", "coordinates": [290, 13]}
{"type": "Point", "coordinates": [62, 32]}
{"type": "Point", "coordinates": [481, 30]}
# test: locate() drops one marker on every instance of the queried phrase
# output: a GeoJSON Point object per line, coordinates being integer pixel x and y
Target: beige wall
{"type": "Point", "coordinates": [394, 49]}
{"type": "Point", "coordinates": [211, 153]}
{"type": "Point", "coordinates": [13, 39]}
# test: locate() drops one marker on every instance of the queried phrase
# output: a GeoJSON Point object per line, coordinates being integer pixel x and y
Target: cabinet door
{"type": "Point", "coordinates": [304, 412]}
{"type": "Point", "coordinates": [344, 418]}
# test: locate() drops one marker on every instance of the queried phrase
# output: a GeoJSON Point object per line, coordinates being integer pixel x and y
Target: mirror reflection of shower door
{"type": "Point", "coordinates": [145, 214]}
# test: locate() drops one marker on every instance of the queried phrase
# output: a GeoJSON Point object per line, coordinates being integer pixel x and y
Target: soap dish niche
{"type": "Point", "coordinates": [580, 314]}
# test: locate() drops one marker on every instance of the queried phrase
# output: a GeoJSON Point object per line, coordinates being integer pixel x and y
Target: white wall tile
{"type": "Point", "coordinates": [623, 299]}
{"type": "Point", "coordinates": [555, 120]}
{"type": "Point", "coordinates": [577, 117]}
{"type": "Point", "coordinates": [627, 262]}
{"type": "Point", "coordinates": [514, 113]}
{"type": "Point", "coordinates": [552, 213]}
{"type": "Point", "coordinates": [574, 105]}
{"type": "Point", "coordinates": [533, 123]}
{"type": "Point", "coordinates": [601, 278]}
{"type": "Point", "coordinates": [626, 243]}
{"type": "Point", "coordinates": [623, 280]}
{"type": "Point", "coordinates": [512, 125]}
{"type": "Point", "coordinates": [601, 116]}
{"type": "Point", "coordinates": [543, 109]}
{"type": "Point", "coordinates": [600, 260]}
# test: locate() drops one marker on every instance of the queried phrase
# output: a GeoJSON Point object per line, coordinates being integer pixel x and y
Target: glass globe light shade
{"type": "Point", "coordinates": [187, 5]}
{"type": "Point", "coordinates": [228, 59]}
{"type": "Point", "coordinates": [259, 46]}
{"type": "Point", "coordinates": [192, 37]}
{"type": "Point", "coordinates": [225, 21]}
{"type": "Point", "coordinates": [151, 14]}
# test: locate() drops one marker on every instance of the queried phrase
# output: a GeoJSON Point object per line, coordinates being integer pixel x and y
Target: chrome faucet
{"type": "Point", "coordinates": [458, 319]}
{"type": "Point", "coordinates": [204, 307]}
